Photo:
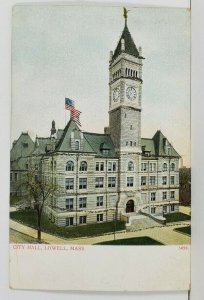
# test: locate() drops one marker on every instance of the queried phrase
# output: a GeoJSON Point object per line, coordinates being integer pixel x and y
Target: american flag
{"type": "Point", "coordinates": [69, 105]}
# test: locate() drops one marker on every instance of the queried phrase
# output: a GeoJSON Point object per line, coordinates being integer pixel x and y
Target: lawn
{"type": "Point", "coordinates": [143, 240]}
{"type": "Point", "coordinates": [186, 230]}
{"type": "Point", "coordinates": [176, 217]}
{"type": "Point", "coordinates": [29, 218]}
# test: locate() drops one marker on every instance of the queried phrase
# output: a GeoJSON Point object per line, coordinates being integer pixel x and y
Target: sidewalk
{"type": "Point", "coordinates": [165, 234]}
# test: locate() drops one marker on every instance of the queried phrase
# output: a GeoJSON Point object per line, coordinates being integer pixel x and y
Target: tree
{"type": "Point", "coordinates": [38, 188]}
{"type": "Point", "coordinates": [185, 186]}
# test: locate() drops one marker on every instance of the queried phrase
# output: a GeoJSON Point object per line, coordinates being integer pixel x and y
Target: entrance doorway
{"type": "Point", "coordinates": [130, 206]}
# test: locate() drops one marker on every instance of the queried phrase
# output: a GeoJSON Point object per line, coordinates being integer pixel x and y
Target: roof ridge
{"type": "Point", "coordinates": [94, 133]}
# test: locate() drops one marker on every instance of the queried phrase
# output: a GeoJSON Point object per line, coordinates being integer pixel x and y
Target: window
{"type": "Point", "coordinates": [26, 166]}
{"type": "Point", "coordinates": [153, 196]}
{"type": "Point", "coordinates": [111, 181]}
{"type": "Point", "coordinates": [99, 166]}
{"type": "Point", "coordinates": [99, 200]}
{"type": "Point", "coordinates": [131, 127]}
{"type": "Point", "coordinates": [126, 143]}
{"type": "Point", "coordinates": [172, 167]}
{"type": "Point", "coordinates": [164, 209]}
{"type": "Point", "coordinates": [172, 180]}
{"type": "Point", "coordinates": [172, 194]}
{"type": "Point", "coordinates": [164, 195]}
{"type": "Point", "coordinates": [25, 145]}
{"type": "Point", "coordinates": [169, 151]}
{"type": "Point", "coordinates": [164, 180]}
{"type": "Point", "coordinates": [99, 217]}
{"type": "Point", "coordinates": [70, 166]}
{"type": "Point", "coordinates": [152, 180]}
{"type": "Point", "coordinates": [69, 203]}
{"type": "Point", "coordinates": [131, 143]}
{"type": "Point", "coordinates": [105, 151]}
{"type": "Point", "coordinates": [130, 166]}
{"type": "Point", "coordinates": [82, 202]}
{"type": "Point", "coordinates": [153, 210]}
{"type": "Point", "coordinates": [152, 167]}
{"type": "Point", "coordinates": [143, 180]}
{"type": "Point", "coordinates": [83, 166]}
{"type": "Point", "coordinates": [82, 183]}
{"type": "Point", "coordinates": [172, 207]}
{"type": "Point", "coordinates": [69, 221]}
{"type": "Point", "coordinates": [16, 176]}
{"type": "Point", "coordinates": [36, 167]}
{"type": "Point", "coordinates": [55, 165]}
{"type": "Point", "coordinates": [129, 181]}
{"type": "Point", "coordinates": [135, 144]}
{"type": "Point", "coordinates": [99, 182]}
{"type": "Point", "coordinates": [164, 167]}
{"type": "Point", "coordinates": [82, 219]}
{"type": "Point", "coordinates": [144, 167]}
{"type": "Point", "coordinates": [77, 145]}
{"type": "Point", "coordinates": [111, 166]}
{"type": "Point", "coordinates": [69, 183]}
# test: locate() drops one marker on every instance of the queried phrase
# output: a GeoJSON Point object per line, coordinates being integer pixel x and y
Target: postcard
{"type": "Point", "coordinates": [100, 176]}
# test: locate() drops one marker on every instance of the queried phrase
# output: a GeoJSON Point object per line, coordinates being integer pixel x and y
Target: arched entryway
{"type": "Point", "coordinates": [130, 206]}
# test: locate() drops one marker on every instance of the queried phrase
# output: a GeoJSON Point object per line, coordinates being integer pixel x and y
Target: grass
{"type": "Point", "coordinates": [143, 240]}
{"type": "Point", "coordinates": [185, 230]}
{"type": "Point", "coordinates": [29, 218]}
{"type": "Point", "coordinates": [176, 217]}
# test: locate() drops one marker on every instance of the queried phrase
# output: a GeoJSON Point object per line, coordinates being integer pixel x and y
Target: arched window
{"type": "Point", "coordinates": [83, 166]}
{"type": "Point", "coordinates": [130, 166]}
{"type": "Point", "coordinates": [164, 167]}
{"type": "Point", "coordinates": [128, 72]}
{"type": "Point", "coordinates": [172, 167]}
{"type": "Point", "coordinates": [70, 166]}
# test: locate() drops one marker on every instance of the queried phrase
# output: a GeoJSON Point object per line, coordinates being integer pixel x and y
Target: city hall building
{"type": "Point", "coordinates": [117, 174]}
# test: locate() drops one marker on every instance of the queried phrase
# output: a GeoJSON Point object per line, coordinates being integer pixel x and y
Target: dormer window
{"type": "Point", "coordinates": [105, 149]}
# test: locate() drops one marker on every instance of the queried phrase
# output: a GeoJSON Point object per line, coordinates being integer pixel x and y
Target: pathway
{"type": "Point", "coordinates": [165, 235]}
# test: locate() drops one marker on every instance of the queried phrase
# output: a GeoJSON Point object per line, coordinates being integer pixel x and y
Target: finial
{"type": "Point", "coordinates": [125, 14]}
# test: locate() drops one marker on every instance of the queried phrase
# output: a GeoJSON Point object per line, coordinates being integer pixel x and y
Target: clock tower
{"type": "Point", "coordinates": [125, 91]}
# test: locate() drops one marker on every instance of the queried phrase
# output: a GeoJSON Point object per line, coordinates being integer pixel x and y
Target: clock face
{"type": "Point", "coordinates": [131, 93]}
{"type": "Point", "coordinates": [116, 94]}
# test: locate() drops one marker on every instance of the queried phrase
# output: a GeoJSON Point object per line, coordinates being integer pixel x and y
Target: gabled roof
{"type": "Point", "coordinates": [22, 147]}
{"type": "Point", "coordinates": [148, 145]}
{"type": "Point", "coordinates": [100, 142]}
{"type": "Point", "coordinates": [64, 144]}
{"type": "Point", "coordinates": [158, 145]}
{"type": "Point", "coordinates": [160, 142]}
{"type": "Point", "coordinates": [42, 143]}
{"type": "Point", "coordinates": [130, 47]}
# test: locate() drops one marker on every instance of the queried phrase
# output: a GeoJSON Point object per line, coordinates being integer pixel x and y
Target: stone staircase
{"type": "Point", "coordinates": [139, 222]}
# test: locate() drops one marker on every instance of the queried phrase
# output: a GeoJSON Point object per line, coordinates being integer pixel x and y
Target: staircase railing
{"type": "Point", "coordinates": [159, 219]}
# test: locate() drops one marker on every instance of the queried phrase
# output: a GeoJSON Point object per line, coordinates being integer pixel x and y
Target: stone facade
{"type": "Point", "coordinates": [112, 175]}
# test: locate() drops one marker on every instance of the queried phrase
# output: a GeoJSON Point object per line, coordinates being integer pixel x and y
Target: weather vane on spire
{"type": "Point", "coordinates": [125, 14]}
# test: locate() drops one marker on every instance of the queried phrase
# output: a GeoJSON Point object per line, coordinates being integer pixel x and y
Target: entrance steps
{"type": "Point", "coordinates": [139, 222]}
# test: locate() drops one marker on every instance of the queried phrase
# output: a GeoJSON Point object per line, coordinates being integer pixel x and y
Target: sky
{"type": "Point", "coordinates": [63, 51]}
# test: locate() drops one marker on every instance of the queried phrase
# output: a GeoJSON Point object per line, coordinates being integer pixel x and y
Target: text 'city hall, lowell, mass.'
{"type": "Point", "coordinates": [117, 174]}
